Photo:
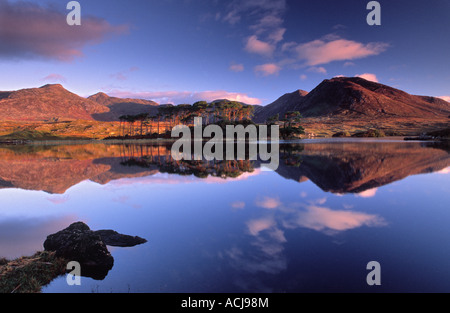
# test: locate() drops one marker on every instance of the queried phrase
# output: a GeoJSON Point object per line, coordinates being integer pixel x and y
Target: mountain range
{"type": "Point", "coordinates": [334, 167]}
{"type": "Point", "coordinates": [51, 102]}
{"type": "Point", "coordinates": [341, 97]}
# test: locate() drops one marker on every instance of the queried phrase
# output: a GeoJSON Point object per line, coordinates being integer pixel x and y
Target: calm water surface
{"type": "Point", "coordinates": [311, 226]}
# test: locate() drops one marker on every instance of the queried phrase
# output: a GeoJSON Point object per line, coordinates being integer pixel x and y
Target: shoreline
{"type": "Point", "coordinates": [172, 140]}
{"type": "Point", "coordinates": [29, 274]}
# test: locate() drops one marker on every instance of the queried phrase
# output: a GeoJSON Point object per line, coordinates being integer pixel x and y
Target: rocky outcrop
{"type": "Point", "coordinates": [113, 238]}
{"type": "Point", "coordinates": [79, 243]}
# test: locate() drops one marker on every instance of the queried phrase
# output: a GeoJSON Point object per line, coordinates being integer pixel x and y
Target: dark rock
{"type": "Point", "coordinates": [78, 243]}
{"type": "Point", "coordinates": [113, 238]}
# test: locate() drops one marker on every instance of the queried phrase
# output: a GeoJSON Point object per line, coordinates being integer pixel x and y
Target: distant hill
{"type": "Point", "coordinates": [285, 103]}
{"type": "Point", "coordinates": [354, 100]}
{"type": "Point", "coordinates": [53, 102]}
{"type": "Point", "coordinates": [118, 107]}
{"type": "Point", "coordinates": [46, 103]}
{"type": "Point", "coordinates": [356, 97]}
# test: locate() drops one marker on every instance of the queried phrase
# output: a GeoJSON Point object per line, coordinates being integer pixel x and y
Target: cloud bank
{"type": "Point", "coordinates": [326, 50]}
{"type": "Point", "coordinates": [29, 31]}
{"type": "Point", "coordinates": [189, 97]}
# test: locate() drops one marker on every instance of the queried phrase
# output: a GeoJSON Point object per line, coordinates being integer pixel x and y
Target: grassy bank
{"type": "Point", "coordinates": [30, 274]}
{"type": "Point", "coordinates": [321, 127]}
{"type": "Point", "coordinates": [65, 130]}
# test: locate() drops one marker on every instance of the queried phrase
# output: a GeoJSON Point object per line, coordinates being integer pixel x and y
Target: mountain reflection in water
{"type": "Point", "coordinates": [337, 167]}
{"type": "Point", "coordinates": [230, 226]}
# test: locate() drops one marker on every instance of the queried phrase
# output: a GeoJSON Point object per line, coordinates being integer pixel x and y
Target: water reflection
{"type": "Point", "coordinates": [267, 235]}
{"type": "Point", "coordinates": [230, 226]}
{"type": "Point", "coordinates": [338, 167]}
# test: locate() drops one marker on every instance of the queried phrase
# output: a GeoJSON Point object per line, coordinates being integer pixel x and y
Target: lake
{"type": "Point", "coordinates": [313, 225]}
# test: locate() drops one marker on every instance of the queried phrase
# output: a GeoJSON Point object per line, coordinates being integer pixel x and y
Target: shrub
{"type": "Point", "coordinates": [342, 134]}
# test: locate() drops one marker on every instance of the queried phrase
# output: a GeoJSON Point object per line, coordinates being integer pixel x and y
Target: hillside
{"type": "Point", "coordinates": [46, 103]}
{"type": "Point", "coordinates": [355, 97]}
{"type": "Point", "coordinates": [118, 107]}
{"type": "Point", "coordinates": [349, 167]}
{"type": "Point", "coordinates": [285, 103]}
{"type": "Point", "coordinates": [337, 105]}
{"type": "Point", "coordinates": [53, 102]}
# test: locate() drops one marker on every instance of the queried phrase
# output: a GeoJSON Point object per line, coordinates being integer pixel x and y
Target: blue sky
{"type": "Point", "coordinates": [248, 50]}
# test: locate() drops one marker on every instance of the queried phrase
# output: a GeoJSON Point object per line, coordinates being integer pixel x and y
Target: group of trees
{"type": "Point", "coordinates": [290, 124]}
{"type": "Point", "coordinates": [169, 116]}
{"type": "Point", "coordinates": [160, 156]}
{"type": "Point", "coordinates": [218, 112]}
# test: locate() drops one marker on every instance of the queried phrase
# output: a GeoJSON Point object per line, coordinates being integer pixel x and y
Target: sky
{"type": "Point", "coordinates": [254, 51]}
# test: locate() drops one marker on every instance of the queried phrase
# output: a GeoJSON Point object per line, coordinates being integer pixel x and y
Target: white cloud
{"type": "Point", "coordinates": [369, 76]}
{"type": "Point", "coordinates": [368, 193]}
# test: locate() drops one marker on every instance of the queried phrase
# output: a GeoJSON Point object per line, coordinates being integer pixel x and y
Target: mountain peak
{"type": "Point", "coordinates": [100, 94]}
{"type": "Point", "coordinates": [302, 92]}
{"type": "Point", "coordinates": [355, 97]}
{"type": "Point", "coordinates": [52, 86]}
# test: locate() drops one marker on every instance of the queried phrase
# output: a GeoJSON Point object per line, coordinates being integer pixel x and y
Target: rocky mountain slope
{"type": "Point", "coordinates": [354, 98]}
{"type": "Point", "coordinates": [47, 103]}
{"type": "Point", "coordinates": [122, 106]}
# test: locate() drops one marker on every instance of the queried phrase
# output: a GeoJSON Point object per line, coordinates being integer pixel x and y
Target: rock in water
{"type": "Point", "coordinates": [113, 238]}
{"type": "Point", "coordinates": [79, 243]}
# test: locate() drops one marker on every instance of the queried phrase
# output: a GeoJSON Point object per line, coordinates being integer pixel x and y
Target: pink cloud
{"type": "Point", "coordinates": [446, 98]}
{"type": "Point", "coordinates": [268, 203]}
{"type": "Point", "coordinates": [166, 179]}
{"type": "Point", "coordinates": [58, 199]}
{"type": "Point", "coordinates": [317, 69]}
{"type": "Point", "coordinates": [267, 69]}
{"type": "Point", "coordinates": [258, 225]}
{"type": "Point", "coordinates": [321, 218]}
{"type": "Point", "coordinates": [30, 30]}
{"type": "Point", "coordinates": [178, 97]}
{"type": "Point", "coordinates": [238, 205]}
{"type": "Point", "coordinates": [123, 75]}
{"type": "Point", "coordinates": [236, 68]}
{"type": "Point", "coordinates": [254, 45]}
{"type": "Point", "coordinates": [369, 76]}
{"type": "Point", "coordinates": [54, 78]}
{"type": "Point", "coordinates": [331, 48]}
{"type": "Point", "coordinates": [238, 9]}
